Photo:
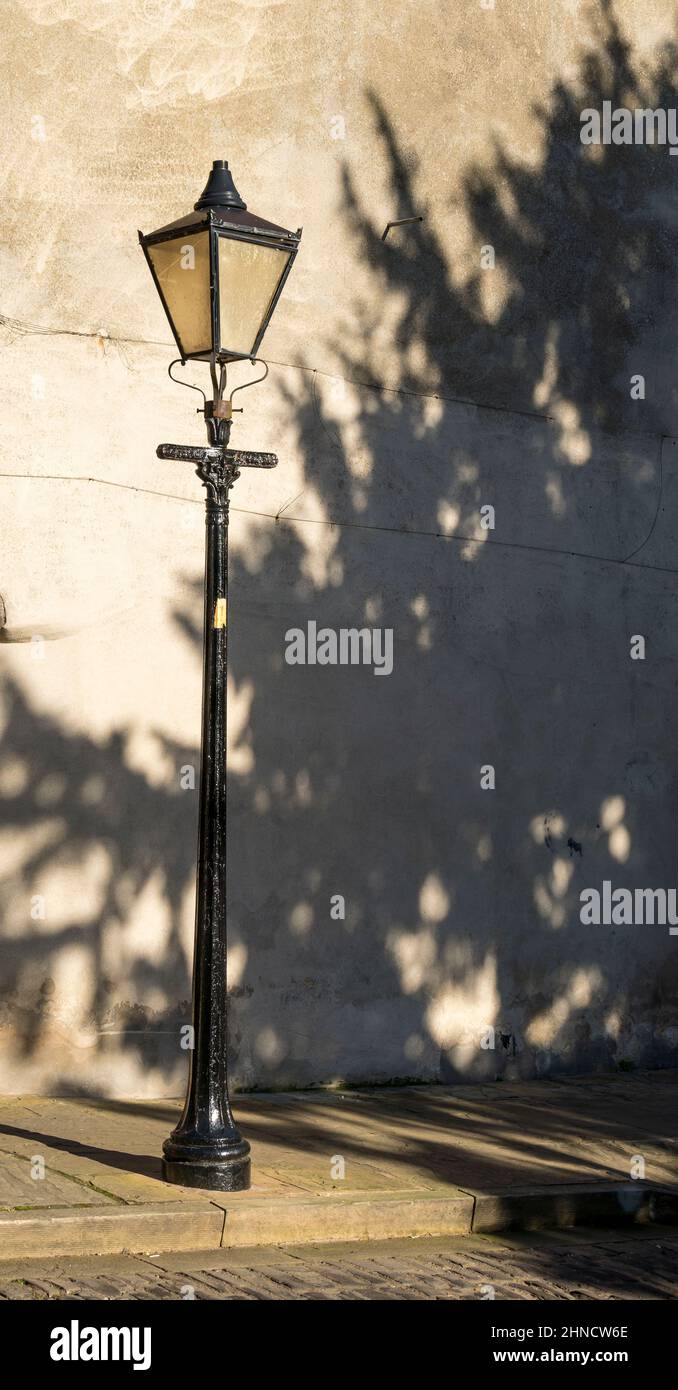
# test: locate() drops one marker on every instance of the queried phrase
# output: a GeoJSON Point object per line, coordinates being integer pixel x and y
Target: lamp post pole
{"type": "Point", "coordinates": [206, 1149]}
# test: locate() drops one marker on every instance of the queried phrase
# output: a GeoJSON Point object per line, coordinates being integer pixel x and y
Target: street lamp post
{"type": "Point", "coordinates": [219, 273]}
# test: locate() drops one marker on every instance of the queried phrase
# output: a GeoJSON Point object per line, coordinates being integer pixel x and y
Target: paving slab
{"type": "Point", "coordinates": [112, 1230]}
{"type": "Point", "coordinates": [565, 1206]}
{"type": "Point", "coordinates": [28, 1182]}
{"type": "Point", "coordinates": [338, 1217]}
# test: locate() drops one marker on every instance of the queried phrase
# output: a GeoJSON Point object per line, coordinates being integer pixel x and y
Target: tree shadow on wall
{"type": "Point", "coordinates": [461, 904]}
{"type": "Point", "coordinates": [91, 836]}
{"type": "Point", "coordinates": [512, 644]}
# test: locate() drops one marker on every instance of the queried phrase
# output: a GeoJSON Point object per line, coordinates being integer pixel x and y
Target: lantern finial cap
{"type": "Point", "coordinates": [220, 190]}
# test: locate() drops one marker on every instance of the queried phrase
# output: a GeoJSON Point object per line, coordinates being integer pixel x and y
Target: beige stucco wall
{"type": "Point", "coordinates": [407, 388]}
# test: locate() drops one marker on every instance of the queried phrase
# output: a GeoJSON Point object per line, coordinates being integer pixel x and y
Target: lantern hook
{"type": "Point", "coordinates": [256, 379]}
{"type": "Point", "coordinates": [189, 384]}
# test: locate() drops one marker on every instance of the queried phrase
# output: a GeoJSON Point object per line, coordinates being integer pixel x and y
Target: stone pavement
{"type": "Point", "coordinates": [82, 1176]}
{"type": "Point", "coordinates": [577, 1266]}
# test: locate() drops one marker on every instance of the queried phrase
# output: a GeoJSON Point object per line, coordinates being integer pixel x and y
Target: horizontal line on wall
{"type": "Point", "coordinates": [362, 526]}
{"type": "Point", "coordinates": [33, 330]}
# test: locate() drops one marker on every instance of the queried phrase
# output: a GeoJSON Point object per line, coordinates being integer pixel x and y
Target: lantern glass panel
{"type": "Point", "coordinates": [182, 267]}
{"type": "Point", "coordinates": [249, 275]}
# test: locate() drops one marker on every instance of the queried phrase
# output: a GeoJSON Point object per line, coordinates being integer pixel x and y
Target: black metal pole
{"type": "Point", "coordinates": [206, 1149]}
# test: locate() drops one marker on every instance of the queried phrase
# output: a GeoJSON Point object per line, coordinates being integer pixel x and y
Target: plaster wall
{"type": "Point", "coordinates": [411, 384]}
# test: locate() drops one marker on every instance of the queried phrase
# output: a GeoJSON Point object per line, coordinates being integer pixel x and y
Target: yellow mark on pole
{"type": "Point", "coordinates": [220, 613]}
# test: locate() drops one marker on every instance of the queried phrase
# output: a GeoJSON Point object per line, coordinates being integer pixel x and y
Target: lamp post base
{"type": "Point", "coordinates": [225, 1172]}
{"type": "Point", "coordinates": [217, 1175]}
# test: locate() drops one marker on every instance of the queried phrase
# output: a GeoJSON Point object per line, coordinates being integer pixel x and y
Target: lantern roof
{"type": "Point", "coordinates": [239, 219]}
{"type": "Point", "coordinates": [220, 205]}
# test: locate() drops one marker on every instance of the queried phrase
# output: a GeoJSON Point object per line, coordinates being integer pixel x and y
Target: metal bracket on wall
{"type": "Point", "coordinates": [399, 222]}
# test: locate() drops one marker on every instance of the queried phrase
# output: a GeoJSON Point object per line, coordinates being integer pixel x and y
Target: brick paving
{"type": "Point", "coordinates": [583, 1265]}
